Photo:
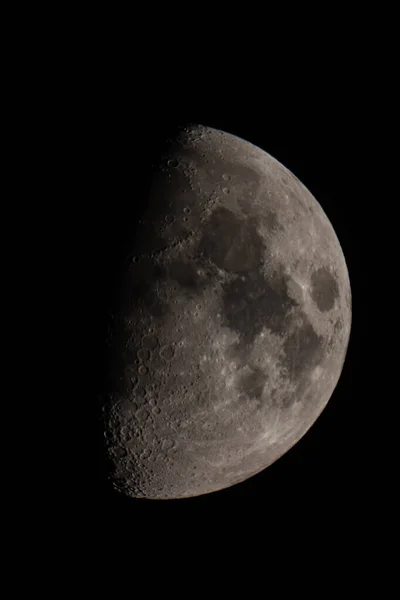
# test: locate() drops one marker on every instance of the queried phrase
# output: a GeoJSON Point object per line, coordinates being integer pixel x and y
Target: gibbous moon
{"type": "Point", "coordinates": [232, 324]}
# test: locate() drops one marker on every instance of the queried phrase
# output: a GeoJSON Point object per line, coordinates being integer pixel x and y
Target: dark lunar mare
{"type": "Point", "coordinates": [324, 289]}
{"type": "Point", "coordinates": [255, 301]}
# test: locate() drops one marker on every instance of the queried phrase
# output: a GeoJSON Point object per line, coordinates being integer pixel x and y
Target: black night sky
{"type": "Point", "coordinates": [91, 99]}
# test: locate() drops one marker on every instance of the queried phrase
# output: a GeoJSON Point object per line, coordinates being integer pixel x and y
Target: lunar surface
{"type": "Point", "coordinates": [232, 325]}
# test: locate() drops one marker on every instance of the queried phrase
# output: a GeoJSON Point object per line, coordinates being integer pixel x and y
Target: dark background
{"type": "Point", "coordinates": [92, 98]}
{"type": "Point", "coordinates": [93, 102]}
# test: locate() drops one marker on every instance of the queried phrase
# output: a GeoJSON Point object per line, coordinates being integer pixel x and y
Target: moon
{"type": "Point", "coordinates": [232, 322]}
